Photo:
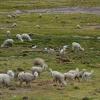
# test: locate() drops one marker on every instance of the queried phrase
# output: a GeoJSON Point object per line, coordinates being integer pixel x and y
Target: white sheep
{"type": "Point", "coordinates": [7, 43]}
{"type": "Point", "coordinates": [58, 77]}
{"type": "Point", "coordinates": [19, 37]}
{"type": "Point", "coordinates": [40, 62]}
{"type": "Point", "coordinates": [51, 50]}
{"type": "Point", "coordinates": [46, 50]}
{"type": "Point", "coordinates": [37, 26]}
{"type": "Point", "coordinates": [78, 26]}
{"type": "Point", "coordinates": [77, 47]}
{"type": "Point", "coordinates": [26, 37]}
{"type": "Point", "coordinates": [87, 75]}
{"type": "Point", "coordinates": [8, 34]}
{"type": "Point", "coordinates": [37, 69]}
{"type": "Point", "coordinates": [5, 79]}
{"type": "Point", "coordinates": [34, 47]}
{"type": "Point", "coordinates": [27, 77]}
{"type": "Point", "coordinates": [69, 76]}
{"type": "Point", "coordinates": [81, 73]}
{"type": "Point", "coordinates": [63, 50]}
{"type": "Point", "coordinates": [65, 46]}
{"type": "Point", "coordinates": [75, 73]}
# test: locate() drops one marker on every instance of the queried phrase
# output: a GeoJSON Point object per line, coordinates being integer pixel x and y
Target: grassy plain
{"type": "Point", "coordinates": [55, 31]}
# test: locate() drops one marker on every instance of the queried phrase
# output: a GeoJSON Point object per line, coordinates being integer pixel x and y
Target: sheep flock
{"type": "Point", "coordinates": [40, 65]}
{"type": "Point", "coordinates": [61, 79]}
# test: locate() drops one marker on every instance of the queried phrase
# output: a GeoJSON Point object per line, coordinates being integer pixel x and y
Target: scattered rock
{"type": "Point", "coordinates": [25, 98]}
{"type": "Point", "coordinates": [0, 93]}
{"type": "Point", "coordinates": [97, 90]}
{"type": "Point", "coordinates": [85, 98]}
{"type": "Point", "coordinates": [76, 87]}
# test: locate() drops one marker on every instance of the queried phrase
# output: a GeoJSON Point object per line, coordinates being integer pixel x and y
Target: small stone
{"type": "Point", "coordinates": [85, 98]}
{"type": "Point", "coordinates": [25, 98]}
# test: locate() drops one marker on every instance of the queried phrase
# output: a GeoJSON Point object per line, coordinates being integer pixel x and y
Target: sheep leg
{"type": "Point", "coordinates": [77, 78]}
{"type": "Point", "coordinates": [20, 83]}
{"type": "Point", "coordinates": [28, 84]}
{"type": "Point", "coordinates": [55, 81]}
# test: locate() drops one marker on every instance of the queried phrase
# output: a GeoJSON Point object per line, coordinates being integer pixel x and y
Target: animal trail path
{"type": "Point", "coordinates": [66, 10]}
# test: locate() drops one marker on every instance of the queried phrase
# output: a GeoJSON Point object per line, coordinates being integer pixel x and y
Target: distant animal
{"type": "Point", "coordinates": [8, 43]}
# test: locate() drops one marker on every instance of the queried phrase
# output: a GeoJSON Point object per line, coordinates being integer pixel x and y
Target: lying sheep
{"type": "Point", "coordinates": [58, 77]}
{"type": "Point", "coordinates": [34, 46]}
{"type": "Point", "coordinates": [19, 37]}
{"type": "Point", "coordinates": [77, 47]}
{"type": "Point", "coordinates": [26, 37]}
{"type": "Point", "coordinates": [27, 77]}
{"type": "Point", "coordinates": [5, 79]}
{"type": "Point", "coordinates": [8, 43]}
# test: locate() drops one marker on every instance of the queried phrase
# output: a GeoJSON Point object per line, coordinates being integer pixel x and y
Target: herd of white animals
{"type": "Point", "coordinates": [40, 65]}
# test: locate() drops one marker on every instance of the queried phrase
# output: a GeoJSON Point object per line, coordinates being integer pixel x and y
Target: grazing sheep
{"type": "Point", "coordinates": [37, 69]}
{"type": "Point", "coordinates": [26, 37]}
{"type": "Point", "coordinates": [5, 79]}
{"type": "Point", "coordinates": [69, 76]}
{"type": "Point", "coordinates": [40, 62]}
{"type": "Point", "coordinates": [87, 75]}
{"type": "Point", "coordinates": [8, 43]}
{"type": "Point", "coordinates": [81, 73]}
{"type": "Point", "coordinates": [27, 77]}
{"type": "Point", "coordinates": [75, 73]}
{"type": "Point", "coordinates": [77, 47]}
{"type": "Point", "coordinates": [19, 37]}
{"type": "Point", "coordinates": [58, 77]}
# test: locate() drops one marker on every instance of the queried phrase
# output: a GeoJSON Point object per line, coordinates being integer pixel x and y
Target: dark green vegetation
{"type": "Point", "coordinates": [55, 31]}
